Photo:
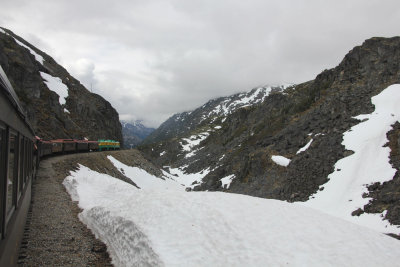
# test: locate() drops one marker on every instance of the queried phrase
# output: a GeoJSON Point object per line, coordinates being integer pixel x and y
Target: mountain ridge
{"type": "Point", "coordinates": [181, 123]}
{"type": "Point", "coordinates": [58, 105]}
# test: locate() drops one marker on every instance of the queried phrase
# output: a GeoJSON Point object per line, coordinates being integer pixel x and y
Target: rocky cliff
{"type": "Point", "coordinates": [310, 117]}
{"type": "Point", "coordinates": [58, 105]}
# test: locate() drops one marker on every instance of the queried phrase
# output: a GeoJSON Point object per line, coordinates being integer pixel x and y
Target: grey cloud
{"type": "Point", "coordinates": [153, 58]}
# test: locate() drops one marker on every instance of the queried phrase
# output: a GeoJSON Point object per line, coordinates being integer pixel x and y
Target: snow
{"type": "Point", "coordinates": [55, 84]}
{"type": "Point", "coordinates": [304, 148]}
{"type": "Point", "coordinates": [161, 227]}
{"type": "Point", "coordinates": [192, 153]}
{"type": "Point", "coordinates": [229, 105]}
{"type": "Point", "coordinates": [193, 141]}
{"type": "Point", "coordinates": [143, 179]}
{"type": "Point", "coordinates": [226, 181]}
{"type": "Point", "coordinates": [186, 179]}
{"type": "Point", "coordinates": [217, 127]}
{"type": "Point", "coordinates": [280, 160]}
{"type": "Point", "coordinates": [66, 111]}
{"type": "Point", "coordinates": [162, 153]}
{"type": "Point", "coordinates": [38, 57]}
{"type": "Point", "coordinates": [342, 194]}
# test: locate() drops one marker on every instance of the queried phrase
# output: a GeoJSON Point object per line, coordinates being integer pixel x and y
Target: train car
{"type": "Point", "coordinates": [46, 148]}
{"type": "Point", "coordinates": [82, 145]}
{"type": "Point", "coordinates": [57, 146]}
{"type": "Point", "coordinates": [17, 169]}
{"type": "Point", "coordinates": [108, 145]}
{"type": "Point", "coordinates": [93, 145]}
{"type": "Point", "coordinates": [69, 145]}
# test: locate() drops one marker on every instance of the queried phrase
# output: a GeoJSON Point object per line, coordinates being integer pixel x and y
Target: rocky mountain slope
{"type": "Point", "coordinates": [286, 146]}
{"type": "Point", "coordinates": [134, 133]}
{"type": "Point", "coordinates": [58, 105]}
{"type": "Point", "coordinates": [182, 123]}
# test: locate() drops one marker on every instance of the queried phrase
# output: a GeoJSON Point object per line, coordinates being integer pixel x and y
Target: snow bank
{"type": "Point", "coordinates": [369, 164]}
{"type": "Point", "coordinates": [176, 228]}
{"type": "Point", "coordinates": [55, 84]}
{"type": "Point", "coordinates": [281, 160]}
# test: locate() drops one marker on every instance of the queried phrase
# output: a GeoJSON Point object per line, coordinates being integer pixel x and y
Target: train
{"type": "Point", "coordinates": [60, 146]}
{"type": "Point", "coordinates": [20, 154]}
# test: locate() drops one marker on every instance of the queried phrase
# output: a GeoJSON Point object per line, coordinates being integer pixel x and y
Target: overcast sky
{"type": "Point", "coordinates": [154, 58]}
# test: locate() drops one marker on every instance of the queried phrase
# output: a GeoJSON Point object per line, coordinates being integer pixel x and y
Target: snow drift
{"type": "Point", "coordinates": [164, 225]}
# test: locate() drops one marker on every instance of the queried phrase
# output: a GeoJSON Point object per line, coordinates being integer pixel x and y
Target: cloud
{"type": "Point", "coordinates": [83, 70]}
{"type": "Point", "coordinates": [153, 58]}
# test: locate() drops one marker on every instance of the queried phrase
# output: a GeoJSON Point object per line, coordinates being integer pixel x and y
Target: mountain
{"type": "Point", "coordinates": [182, 123]}
{"type": "Point", "coordinates": [58, 105]}
{"type": "Point", "coordinates": [134, 132]}
{"type": "Point", "coordinates": [294, 143]}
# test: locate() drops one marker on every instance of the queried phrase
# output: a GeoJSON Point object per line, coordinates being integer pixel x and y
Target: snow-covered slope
{"type": "Point", "coordinates": [162, 225]}
{"type": "Point", "coordinates": [343, 193]}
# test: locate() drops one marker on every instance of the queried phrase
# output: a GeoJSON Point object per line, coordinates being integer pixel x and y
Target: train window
{"type": "Point", "coordinates": [26, 155]}
{"type": "Point", "coordinates": [11, 179]}
{"type": "Point", "coordinates": [3, 174]}
{"type": "Point", "coordinates": [21, 164]}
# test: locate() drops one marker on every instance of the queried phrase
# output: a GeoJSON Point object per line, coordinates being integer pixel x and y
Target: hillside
{"type": "Point", "coordinates": [287, 146]}
{"type": "Point", "coordinates": [183, 123]}
{"type": "Point", "coordinates": [58, 105]}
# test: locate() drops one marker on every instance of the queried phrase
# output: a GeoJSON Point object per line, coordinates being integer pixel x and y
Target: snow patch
{"type": "Point", "coordinates": [55, 84]}
{"type": "Point", "coordinates": [144, 179]}
{"type": "Point", "coordinates": [304, 148]}
{"type": "Point", "coordinates": [162, 153]}
{"type": "Point", "coordinates": [187, 179]}
{"type": "Point", "coordinates": [342, 194]}
{"type": "Point", "coordinates": [226, 181]}
{"type": "Point", "coordinates": [280, 160]}
{"type": "Point", "coordinates": [193, 141]}
{"type": "Point", "coordinates": [66, 111]}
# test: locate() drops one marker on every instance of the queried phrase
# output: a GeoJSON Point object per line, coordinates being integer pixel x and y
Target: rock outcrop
{"type": "Point", "coordinates": [80, 114]}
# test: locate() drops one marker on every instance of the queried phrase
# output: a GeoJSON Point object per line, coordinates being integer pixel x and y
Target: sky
{"type": "Point", "coordinates": [151, 59]}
